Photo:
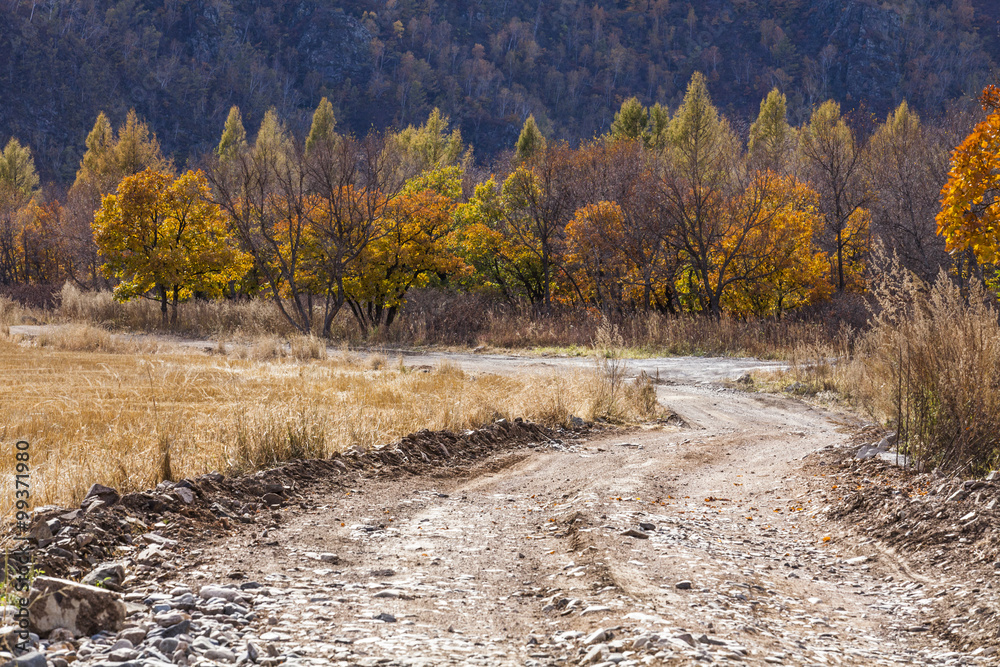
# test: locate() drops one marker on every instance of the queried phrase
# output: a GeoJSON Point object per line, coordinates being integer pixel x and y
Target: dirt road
{"type": "Point", "coordinates": [675, 545]}
{"type": "Point", "coordinates": [669, 370]}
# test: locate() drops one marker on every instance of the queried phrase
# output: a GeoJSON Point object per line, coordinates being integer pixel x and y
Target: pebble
{"type": "Point", "coordinates": [222, 654]}
{"type": "Point", "coordinates": [638, 534]}
{"type": "Point", "coordinates": [594, 609]}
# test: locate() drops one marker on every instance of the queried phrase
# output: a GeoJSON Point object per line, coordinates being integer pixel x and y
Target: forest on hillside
{"type": "Point", "coordinates": [181, 64]}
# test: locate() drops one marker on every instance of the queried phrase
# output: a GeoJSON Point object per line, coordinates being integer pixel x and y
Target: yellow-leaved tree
{"type": "Point", "coordinates": [411, 247]}
{"type": "Point", "coordinates": [789, 266]}
{"type": "Point", "coordinates": [500, 262]}
{"type": "Point", "coordinates": [163, 235]}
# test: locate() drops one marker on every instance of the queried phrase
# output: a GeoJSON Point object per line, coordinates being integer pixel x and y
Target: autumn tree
{"type": "Point", "coordinates": [234, 136]}
{"type": "Point", "coordinates": [833, 161]}
{"type": "Point", "coordinates": [736, 227]}
{"type": "Point", "coordinates": [411, 248]}
{"type": "Point", "coordinates": [782, 262]}
{"type": "Point", "coordinates": [501, 260]}
{"type": "Point", "coordinates": [630, 121]}
{"type": "Point", "coordinates": [305, 215]}
{"type": "Point", "coordinates": [32, 244]}
{"type": "Point", "coordinates": [429, 146]}
{"type": "Point", "coordinates": [44, 255]}
{"type": "Point", "coordinates": [634, 122]}
{"type": "Point", "coordinates": [321, 133]}
{"type": "Point", "coordinates": [624, 172]}
{"type": "Point", "coordinates": [659, 124]}
{"type": "Point", "coordinates": [109, 158]}
{"type": "Point", "coordinates": [530, 142]}
{"type": "Point", "coordinates": [17, 170]}
{"type": "Point", "coordinates": [906, 166]}
{"type": "Point", "coordinates": [264, 191]}
{"type": "Point", "coordinates": [969, 219]}
{"type": "Point", "coordinates": [593, 240]}
{"type": "Point", "coordinates": [163, 235]}
{"type": "Point", "coordinates": [18, 184]}
{"type": "Point", "coordinates": [772, 140]}
{"type": "Point", "coordinates": [697, 186]}
{"type": "Point", "coordinates": [538, 201]}
{"type": "Point", "coordinates": [353, 182]}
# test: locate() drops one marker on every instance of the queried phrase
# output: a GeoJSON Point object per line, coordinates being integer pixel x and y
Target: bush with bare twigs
{"type": "Point", "coordinates": [615, 398]}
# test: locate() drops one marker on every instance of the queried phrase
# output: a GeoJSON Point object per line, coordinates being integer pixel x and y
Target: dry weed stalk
{"type": "Point", "coordinates": [615, 399]}
{"type": "Point", "coordinates": [612, 369]}
{"type": "Point", "coordinates": [930, 365]}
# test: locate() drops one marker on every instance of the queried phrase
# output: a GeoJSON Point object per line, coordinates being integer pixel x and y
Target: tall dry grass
{"type": "Point", "coordinates": [250, 318]}
{"type": "Point", "coordinates": [928, 367]}
{"type": "Point", "coordinates": [432, 317]}
{"type": "Point", "coordinates": [469, 319]}
{"type": "Point", "coordinates": [13, 313]}
{"type": "Point", "coordinates": [617, 399]}
{"type": "Point", "coordinates": [129, 419]}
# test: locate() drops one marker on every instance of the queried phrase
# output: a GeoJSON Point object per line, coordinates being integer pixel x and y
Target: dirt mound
{"type": "Point", "coordinates": [940, 520]}
{"type": "Point", "coordinates": [141, 525]}
{"type": "Point", "coordinates": [945, 524]}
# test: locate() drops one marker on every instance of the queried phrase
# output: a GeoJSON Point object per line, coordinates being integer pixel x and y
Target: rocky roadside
{"type": "Point", "coordinates": [945, 525]}
{"type": "Point", "coordinates": [105, 594]}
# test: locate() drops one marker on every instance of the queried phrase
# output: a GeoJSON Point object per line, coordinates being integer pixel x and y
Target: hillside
{"type": "Point", "coordinates": [182, 64]}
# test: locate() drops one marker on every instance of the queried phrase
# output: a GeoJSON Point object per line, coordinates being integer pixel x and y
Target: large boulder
{"type": "Point", "coordinates": [81, 609]}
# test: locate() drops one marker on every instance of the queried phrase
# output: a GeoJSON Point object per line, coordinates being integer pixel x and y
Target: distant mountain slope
{"type": "Point", "coordinates": [487, 63]}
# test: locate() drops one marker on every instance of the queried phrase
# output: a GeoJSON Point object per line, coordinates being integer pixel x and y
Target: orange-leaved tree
{"type": "Point", "coordinates": [970, 207]}
{"type": "Point", "coordinates": [789, 268]}
{"type": "Point", "coordinates": [594, 238]}
{"type": "Point", "coordinates": [163, 235]}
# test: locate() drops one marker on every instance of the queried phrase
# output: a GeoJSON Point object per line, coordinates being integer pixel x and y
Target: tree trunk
{"type": "Point", "coordinates": [163, 304]}
{"type": "Point", "coordinates": [715, 306]}
{"type": "Point", "coordinates": [840, 261]}
{"type": "Point", "coordinates": [545, 279]}
{"type": "Point", "coordinates": [359, 317]}
{"type": "Point", "coordinates": [173, 309]}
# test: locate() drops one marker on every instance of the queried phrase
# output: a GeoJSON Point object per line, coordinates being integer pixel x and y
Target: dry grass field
{"type": "Point", "coordinates": [129, 413]}
{"type": "Point", "coordinates": [463, 320]}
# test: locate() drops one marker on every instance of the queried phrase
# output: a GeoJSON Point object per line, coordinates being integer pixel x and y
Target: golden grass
{"type": "Point", "coordinates": [94, 415]}
{"type": "Point", "coordinates": [432, 318]}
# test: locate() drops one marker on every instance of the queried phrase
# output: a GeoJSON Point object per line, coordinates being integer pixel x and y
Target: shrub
{"type": "Point", "coordinates": [930, 366]}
